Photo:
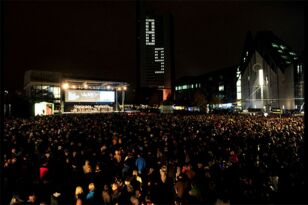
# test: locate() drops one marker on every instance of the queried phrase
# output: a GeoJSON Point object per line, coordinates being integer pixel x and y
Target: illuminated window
{"type": "Point", "coordinates": [261, 77]}
{"type": "Point", "coordinates": [292, 53]}
{"type": "Point", "coordinates": [221, 88]}
{"type": "Point", "coordinates": [238, 85]}
{"type": "Point", "coordinates": [274, 45]}
{"type": "Point", "coordinates": [150, 32]}
{"type": "Point", "coordinates": [159, 57]}
{"type": "Point", "coordinates": [283, 47]}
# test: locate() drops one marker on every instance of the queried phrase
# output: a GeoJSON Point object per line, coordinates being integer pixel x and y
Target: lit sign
{"type": "Point", "coordinates": [150, 32]}
{"type": "Point", "coordinates": [89, 96]}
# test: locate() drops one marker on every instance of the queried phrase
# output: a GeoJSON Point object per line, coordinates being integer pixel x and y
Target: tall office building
{"type": "Point", "coordinates": [155, 59]}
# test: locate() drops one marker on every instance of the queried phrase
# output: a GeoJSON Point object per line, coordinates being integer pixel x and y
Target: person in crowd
{"type": "Point", "coordinates": [79, 195]}
{"type": "Point", "coordinates": [153, 159]}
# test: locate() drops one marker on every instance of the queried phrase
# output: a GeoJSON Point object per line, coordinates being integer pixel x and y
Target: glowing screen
{"type": "Point", "coordinates": [89, 96]}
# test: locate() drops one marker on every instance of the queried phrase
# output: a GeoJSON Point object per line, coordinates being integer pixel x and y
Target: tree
{"type": "Point", "coordinates": [200, 99]}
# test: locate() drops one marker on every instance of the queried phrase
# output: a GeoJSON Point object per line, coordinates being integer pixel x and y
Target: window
{"type": "Point", "coordinates": [283, 47]}
{"type": "Point", "coordinates": [150, 32]}
{"type": "Point", "coordinates": [274, 45]}
{"type": "Point", "coordinates": [221, 88]}
{"type": "Point", "coordinates": [292, 53]}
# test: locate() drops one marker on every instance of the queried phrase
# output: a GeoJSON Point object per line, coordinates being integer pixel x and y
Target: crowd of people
{"type": "Point", "coordinates": [91, 108]}
{"type": "Point", "coordinates": [138, 158]}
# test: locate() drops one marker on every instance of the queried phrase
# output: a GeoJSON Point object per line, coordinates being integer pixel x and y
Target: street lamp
{"type": "Point", "coordinates": [65, 86]}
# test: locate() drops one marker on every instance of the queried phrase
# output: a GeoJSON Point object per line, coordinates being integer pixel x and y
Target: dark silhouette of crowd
{"type": "Point", "coordinates": [139, 158]}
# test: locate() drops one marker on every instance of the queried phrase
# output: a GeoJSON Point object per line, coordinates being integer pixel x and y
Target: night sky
{"type": "Point", "coordinates": [98, 38]}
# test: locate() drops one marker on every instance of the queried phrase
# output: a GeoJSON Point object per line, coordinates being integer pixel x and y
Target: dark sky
{"type": "Point", "coordinates": [99, 37]}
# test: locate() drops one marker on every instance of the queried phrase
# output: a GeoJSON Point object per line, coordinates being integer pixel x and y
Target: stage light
{"type": "Point", "coordinates": [65, 86]}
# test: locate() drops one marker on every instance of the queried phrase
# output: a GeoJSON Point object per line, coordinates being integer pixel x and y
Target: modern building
{"type": "Point", "coordinates": [155, 55]}
{"type": "Point", "coordinates": [270, 74]}
{"type": "Point", "coordinates": [216, 89]}
{"type": "Point", "coordinates": [68, 92]}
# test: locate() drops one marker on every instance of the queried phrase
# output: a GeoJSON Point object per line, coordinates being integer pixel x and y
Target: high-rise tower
{"type": "Point", "coordinates": [155, 55]}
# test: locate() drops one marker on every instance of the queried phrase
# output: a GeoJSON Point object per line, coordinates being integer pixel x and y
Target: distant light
{"type": "Point", "coordinates": [119, 89]}
{"type": "Point", "coordinates": [6, 92]}
{"type": "Point", "coordinates": [283, 47]}
{"type": "Point", "coordinates": [108, 87]}
{"type": "Point", "coordinates": [65, 86]}
{"type": "Point", "coordinates": [265, 114]}
{"type": "Point", "coordinates": [74, 86]}
{"type": "Point", "coordinates": [292, 53]}
{"type": "Point", "coordinates": [274, 45]}
{"type": "Point", "coordinates": [261, 81]}
{"type": "Point", "coordinates": [85, 85]}
{"type": "Point", "coordinates": [124, 88]}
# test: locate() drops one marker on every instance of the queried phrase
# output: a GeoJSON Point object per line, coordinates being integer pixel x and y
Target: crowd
{"type": "Point", "coordinates": [91, 108]}
{"type": "Point", "coordinates": [139, 158]}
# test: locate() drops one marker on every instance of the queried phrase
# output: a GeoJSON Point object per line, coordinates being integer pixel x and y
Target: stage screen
{"type": "Point", "coordinates": [89, 96]}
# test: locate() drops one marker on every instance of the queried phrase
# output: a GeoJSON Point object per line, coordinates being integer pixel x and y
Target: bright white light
{"type": "Point", "coordinates": [124, 88]}
{"type": "Point", "coordinates": [108, 87]}
{"type": "Point", "coordinates": [265, 114]}
{"type": "Point", "coordinates": [221, 88]}
{"type": "Point", "coordinates": [85, 85]}
{"type": "Point", "coordinates": [261, 81]}
{"type": "Point", "coordinates": [150, 32]}
{"type": "Point", "coordinates": [65, 86]}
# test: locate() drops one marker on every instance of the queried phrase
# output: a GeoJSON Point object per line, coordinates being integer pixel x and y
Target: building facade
{"type": "Point", "coordinates": [155, 54]}
{"type": "Point", "coordinates": [270, 74]}
{"type": "Point", "coordinates": [216, 89]}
